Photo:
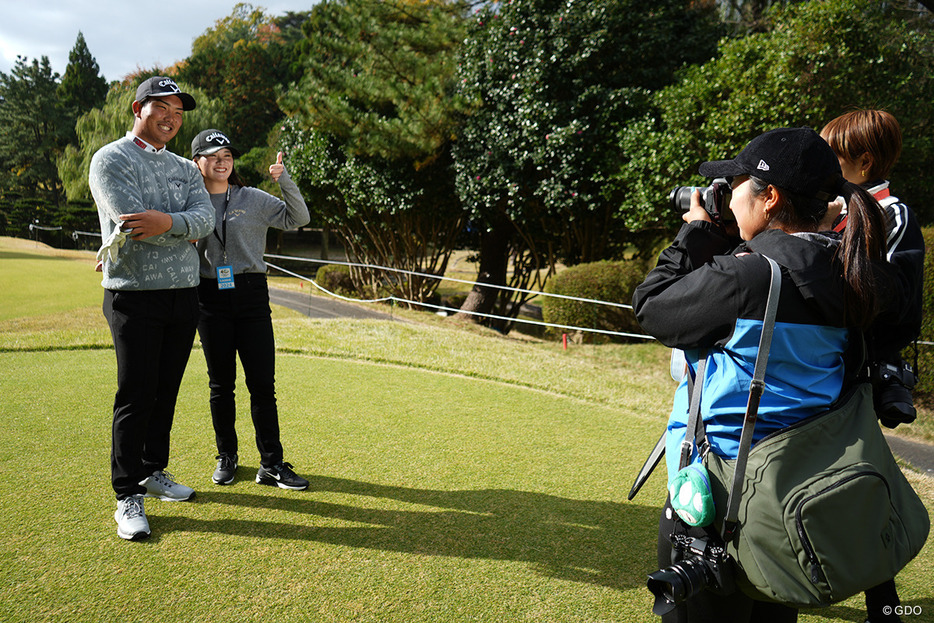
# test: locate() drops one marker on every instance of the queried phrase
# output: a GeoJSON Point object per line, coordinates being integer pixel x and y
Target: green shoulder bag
{"type": "Point", "coordinates": [819, 511]}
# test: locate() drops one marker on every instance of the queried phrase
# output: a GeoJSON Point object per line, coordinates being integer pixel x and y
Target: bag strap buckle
{"type": "Point", "coordinates": [729, 530]}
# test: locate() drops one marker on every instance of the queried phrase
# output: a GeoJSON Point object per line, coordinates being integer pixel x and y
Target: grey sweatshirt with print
{"type": "Point", "coordinates": [125, 179]}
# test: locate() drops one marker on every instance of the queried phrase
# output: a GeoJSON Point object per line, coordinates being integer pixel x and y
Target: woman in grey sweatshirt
{"type": "Point", "coordinates": [234, 299]}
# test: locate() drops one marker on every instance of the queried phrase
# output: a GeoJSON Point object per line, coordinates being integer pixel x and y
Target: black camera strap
{"type": "Point", "coordinates": [756, 388]}
{"type": "Point", "coordinates": [695, 433]}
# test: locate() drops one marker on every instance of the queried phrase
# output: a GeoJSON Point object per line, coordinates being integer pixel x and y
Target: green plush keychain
{"type": "Point", "coordinates": [691, 497]}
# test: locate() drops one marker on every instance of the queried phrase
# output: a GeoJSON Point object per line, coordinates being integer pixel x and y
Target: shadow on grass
{"type": "Point", "coordinates": [603, 543]}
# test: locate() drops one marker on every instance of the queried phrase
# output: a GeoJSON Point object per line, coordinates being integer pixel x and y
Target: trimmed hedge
{"type": "Point", "coordinates": [925, 386]}
{"type": "Point", "coordinates": [613, 282]}
{"type": "Point", "coordinates": [336, 278]}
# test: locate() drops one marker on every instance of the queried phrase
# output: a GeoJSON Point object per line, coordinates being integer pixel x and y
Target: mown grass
{"type": "Point", "coordinates": [456, 475]}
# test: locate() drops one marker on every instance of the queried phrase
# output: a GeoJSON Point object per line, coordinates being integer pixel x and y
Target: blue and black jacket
{"type": "Point", "coordinates": [703, 298]}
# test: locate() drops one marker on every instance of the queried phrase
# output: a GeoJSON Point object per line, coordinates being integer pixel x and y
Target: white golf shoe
{"type": "Point", "coordinates": [161, 485]}
{"type": "Point", "coordinates": [130, 516]}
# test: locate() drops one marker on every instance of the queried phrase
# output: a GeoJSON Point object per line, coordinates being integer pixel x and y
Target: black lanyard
{"type": "Point", "coordinates": [223, 240]}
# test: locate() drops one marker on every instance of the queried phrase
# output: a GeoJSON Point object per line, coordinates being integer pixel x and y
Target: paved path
{"type": "Point", "coordinates": [919, 455]}
{"type": "Point", "coordinates": [324, 307]}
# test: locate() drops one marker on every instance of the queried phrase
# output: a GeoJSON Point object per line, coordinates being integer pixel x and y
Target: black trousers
{"type": "Point", "coordinates": [881, 601]}
{"type": "Point", "coordinates": [153, 331]}
{"type": "Point", "coordinates": [238, 321]}
{"type": "Point", "coordinates": [708, 606]}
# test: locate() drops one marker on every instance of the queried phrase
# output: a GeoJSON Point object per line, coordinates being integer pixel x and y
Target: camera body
{"type": "Point", "coordinates": [892, 382]}
{"type": "Point", "coordinates": [714, 198]}
{"type": "Point", "coordinates": [703, 564]}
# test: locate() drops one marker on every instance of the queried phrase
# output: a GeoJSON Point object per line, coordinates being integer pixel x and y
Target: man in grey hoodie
{"type": "Point", "coordinates": [151, 204]}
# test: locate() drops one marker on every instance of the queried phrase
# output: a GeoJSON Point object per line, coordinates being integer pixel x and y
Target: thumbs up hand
{"type": "Point", "coordinates": [275, 170]}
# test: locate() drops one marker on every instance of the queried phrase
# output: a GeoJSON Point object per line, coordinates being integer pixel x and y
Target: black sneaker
{"type": "Point", "coordinates": [282, 476]}
{"type": "Point", "coordinates": [226, 469]}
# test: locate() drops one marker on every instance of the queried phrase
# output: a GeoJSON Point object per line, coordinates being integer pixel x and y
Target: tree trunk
{"type": "Point", "coordinates": [325, 242]}
{"type": "Point", "coordinates": [494, 260]}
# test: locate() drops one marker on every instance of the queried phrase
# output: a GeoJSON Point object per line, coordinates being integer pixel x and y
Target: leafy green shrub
{"type": "Point", "coordinates": [925, 386]}
{"type": "Point", "coordinates": [336, 278]}
{"type": "Point", "coordinates": [612, 282]}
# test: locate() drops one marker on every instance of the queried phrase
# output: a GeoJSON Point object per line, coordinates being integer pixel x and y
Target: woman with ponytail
{"type": "Point", "coordinates": [707, 297]}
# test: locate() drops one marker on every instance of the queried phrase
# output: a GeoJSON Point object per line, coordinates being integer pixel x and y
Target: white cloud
{"type": "Point", "coordinates": [121, 36]}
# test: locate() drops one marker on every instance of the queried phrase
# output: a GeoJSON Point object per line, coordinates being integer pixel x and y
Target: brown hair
{"type": "Point", "coordinates": [873, 132]}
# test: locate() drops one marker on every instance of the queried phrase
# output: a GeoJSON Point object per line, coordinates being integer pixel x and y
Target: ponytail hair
{"type": "Point", "coordinates": [863, 245]}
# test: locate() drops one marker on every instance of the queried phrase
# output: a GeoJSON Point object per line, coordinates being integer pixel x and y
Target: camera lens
{"type": "Point", "coordinates": [892, 385]}
{"type": "Point", "coordinates": [680, 198]}
{"type": "Point", "coordinates": [895, 404]}
{"type": "Point", "coordinates": [677, 583]}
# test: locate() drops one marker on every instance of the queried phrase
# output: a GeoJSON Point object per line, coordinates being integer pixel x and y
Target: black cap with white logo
{"type": "Point", "coordinates": [210, 141]}
{"type": "Point", "coordinates": [160, 86]}
{"type": "Point", "coordinates": [795, 159]}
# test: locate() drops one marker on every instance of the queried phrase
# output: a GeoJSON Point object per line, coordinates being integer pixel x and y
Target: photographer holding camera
{"type": "Point", "coordinates": [707, 296]}
{"type": "Point", "coordinates": [867, 144]}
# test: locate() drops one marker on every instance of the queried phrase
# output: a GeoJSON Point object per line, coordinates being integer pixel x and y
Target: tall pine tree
{"type": "Point", "coordinates": [83, 87]}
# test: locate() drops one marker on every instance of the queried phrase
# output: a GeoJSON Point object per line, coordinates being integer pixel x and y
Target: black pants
{"type": "Point", "coordinates": [708, 606]}
{"type": "Point", "coordinates": [238, 321]}
{"type": "Point", "coordinates": [152, 331]}
{"type": "Point", "coordinates": [881, 601]}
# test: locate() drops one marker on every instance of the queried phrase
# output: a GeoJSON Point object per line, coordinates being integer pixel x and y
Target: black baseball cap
{"type": "Point", "coordinates": [795, 159]}
{"type": "Point", "coordinates": [210, 141]}
{"type": "Point", "coordinates": [160, 86]}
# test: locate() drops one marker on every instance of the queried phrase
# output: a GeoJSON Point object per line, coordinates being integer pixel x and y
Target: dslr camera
{"type": "Point", "coordinates": [892, 382]}
{"type": "Point", "coordinates": [703, 564]}
{"type": "Point", "coordinates": [714, 198]}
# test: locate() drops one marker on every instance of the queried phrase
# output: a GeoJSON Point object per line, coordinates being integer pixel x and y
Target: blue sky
{"type": "Point", "coordinates": [121, 35]}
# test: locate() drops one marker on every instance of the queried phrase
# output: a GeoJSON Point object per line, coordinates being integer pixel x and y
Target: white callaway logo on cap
{"type": "Point", "coordinates": [216, 137]}
{"type": "Point", "coordinates": [169, 83]}
{"type": "Point", "coordinates": [762, 166]}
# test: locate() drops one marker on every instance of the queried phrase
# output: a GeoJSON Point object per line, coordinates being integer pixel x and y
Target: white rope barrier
{"type": "Point", "coordinates": [458, 311]}
{"type": "Point", "coordinates": [451, 309]}
{"type": "Point", "coordinates": [325, 290]}
{"type": "Point", "coordinates": [523, 320]}
{"type": "Point", "coordinates": [441, 277]}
